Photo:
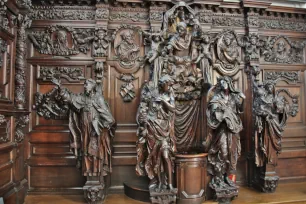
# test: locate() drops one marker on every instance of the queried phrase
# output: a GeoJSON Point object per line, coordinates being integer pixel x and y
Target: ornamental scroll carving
{"type": "Point", "coordinates": [54, 40]}
{"type": "Point", "coordinates": [3, 49]}
{"type": "Point", "coordinates": [282, 50]}
{"type": "Point", "coordinates": [21, 122]}
{"type": "Point", "coordinates": [4, 22]}
{"type": "Point", "coordinates": [71, 74]}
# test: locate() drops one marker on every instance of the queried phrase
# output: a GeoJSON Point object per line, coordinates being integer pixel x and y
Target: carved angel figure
{"type": "Point", "coordinates": [223, 118]}
{"type": "Point", "coordinates": [252, 46]}
{"type": "Point", "coordinates": [156, 135]}
{"type": "Point", "coordinates": [91, 125]}
{"type": "Point", "coordinates": [155, 39]}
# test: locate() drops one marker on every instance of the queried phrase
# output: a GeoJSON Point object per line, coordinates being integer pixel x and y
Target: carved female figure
{"type": "Point", "coordinates": [158, 131]}
{"type": "Point", "coordinates": [223, 118]}
{"type": "Point", "coordinates": [271, 117]}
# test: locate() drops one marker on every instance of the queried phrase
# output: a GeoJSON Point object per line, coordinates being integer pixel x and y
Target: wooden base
{"type": "Point", "coordinates": [138, 189]}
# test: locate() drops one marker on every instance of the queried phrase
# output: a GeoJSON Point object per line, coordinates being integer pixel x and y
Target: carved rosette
{"type": "Point", "coordinates": [23, 22]}
{"type": "Point", "coordinates": [21, 122]}
{"type": "Point", "coordinates": [127, 90]}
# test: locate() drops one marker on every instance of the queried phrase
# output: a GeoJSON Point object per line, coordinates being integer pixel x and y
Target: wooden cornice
{"type": "Point", "coordinates": [256, 4]}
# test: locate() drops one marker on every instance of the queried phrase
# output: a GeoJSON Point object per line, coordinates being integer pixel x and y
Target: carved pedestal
{"type": "Point", "coordinates": [191, 178]}
{"type": "Point", "coordinates": [267, 179]}
{"type": "Point", "coordinates": [94, 190]}
{"type": "Point", "coordinates": [163, 196]}
{"type": "Point", "coordinates": [225, 195]}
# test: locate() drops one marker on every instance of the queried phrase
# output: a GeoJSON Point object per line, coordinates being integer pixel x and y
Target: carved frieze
{"type": "Point", "coordinates": [3, 49]}
{"type": "Point", "coordinates": [4, 136]}
{"type": "Point", "coordinates": [217, 19]}
{"type": "Point", "coordinates": [127, 90]}
{"type": "Point", "coordinates": [69, 73]}
{"type": "Point", "coordinates": [21, 122]}
{"type": "Point", "coordinates": [62, 13]}
{"type": "Point", "coordinates": [127, 50]}
{"type": "Point", "coordinates": [289, 76]}
{"type": "Point", "coordinates": [126, 16]}
{"type": "Point", "coordinates": [282, 50]}
{"type": "Point", "coordinates": [156, 16]}
{"type": "Point", "coordinates": [282, 24]}
{"type": "Point", "coordinates": [54, 40]}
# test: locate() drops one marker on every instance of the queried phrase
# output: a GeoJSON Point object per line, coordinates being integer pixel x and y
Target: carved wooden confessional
{"type": "Point", "coordinates": [196, 96]}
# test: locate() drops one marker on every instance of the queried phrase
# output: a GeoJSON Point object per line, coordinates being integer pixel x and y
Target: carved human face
{"type": "Point", "coordinates": [253, 40]}
{"type": "Point", "coordinates": [156, 38]}
{"type": "Point", "coordinates": [269, 88]}
{"type": "Point", "coordinates": [181, 30]}
{"type": "Point", "coordinates": [88, 87]}
{"type": "Point", "coordinates": [281, 46]}
{"type": "Point", "coordinates": [61, 36]}
{"type": "Point", "coordinates": [224, 85]}
{"type": "Point", "coordinates": [227, 40]}
{"type": "Point", "coordinates": [101, 34]}
{"type": "Point", "coordinates": [128, 37]}
{"type": "Point", "coordinates": [206, 39]}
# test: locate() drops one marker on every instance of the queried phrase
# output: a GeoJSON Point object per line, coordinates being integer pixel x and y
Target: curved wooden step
{"type": "Point", "coordinates": [138, 189]}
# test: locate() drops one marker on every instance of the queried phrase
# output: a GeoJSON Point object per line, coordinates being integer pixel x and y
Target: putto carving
{"type": "Point", "coordinates": [252, 47]}
{"type": "Point", "coordinates": [62, 13]}
{"type": "Point", "coordinates": [126, 49]}
{"type": "Point", "coordinates": [227, 56]}
{"type": "Point", "coordinates": [272, 109]}
{"type": "Point", "coordinates": [4, 137]}
{"type": "Point", "coordinates": [21, 122]}
{"type": "Point", "coordinates": [281, 49]}
{"type": "Point", "coordinates": [23, 22]}
{"type": "Point", "coordinates": [101, 42]}
{"type": "Point", "coordinates": [225, 103]}
{"type": "Point", "coordinates": [3, 49]}
{"type": "Point", "coordinates": [69, 73]}
{"type": "Point", "coordinates": [54, 40]}
{"type": "Point", "coordinates": [127, 90]}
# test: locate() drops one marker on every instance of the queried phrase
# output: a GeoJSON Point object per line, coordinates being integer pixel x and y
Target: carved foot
{"type": "Point", "coordinates": [163, 196]}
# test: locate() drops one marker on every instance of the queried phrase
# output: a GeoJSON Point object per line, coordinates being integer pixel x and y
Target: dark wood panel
{"type": "Point", "coordinates": [54, 177]}
{"type": "Point", "coordinates": [51, 150]}
{"type": "Point", "coordinates": [5, 174]}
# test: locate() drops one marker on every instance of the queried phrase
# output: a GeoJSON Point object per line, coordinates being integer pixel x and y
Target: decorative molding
{"type": "Point", "coordinates": [127, 90]}
{"type": "Point", "coordinates": [21, 122]}
{"type": "Point", "coordinates": [288, 76]}
{"type": "Point", "coordinates": [62, 13]}
{"type": "Point", "coordinates": [282, 50]}
{"type": "Point", "coordinates": [23, 22]}
{"type": "Point", "coordinates": [156, 16]}
{"type": "Point", "coordinates": [283, 24]}
{"type": "Point", "coordinates": [4, 22]}
{"type": "Point", "coordinates": [102, 13]}
{"type": "Point", "coordinates": [126, 16]}
{"type": "Point", "coordinates": [72, 74]}
{"type": "Point", "coordinates": [54, 40]}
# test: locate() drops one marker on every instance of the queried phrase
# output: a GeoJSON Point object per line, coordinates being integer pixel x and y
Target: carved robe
{"type": "Point", "coordinates": [91, 125]}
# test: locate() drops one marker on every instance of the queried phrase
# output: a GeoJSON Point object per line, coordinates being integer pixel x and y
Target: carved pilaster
{"type": "Point", "coordinates": [3, 49]}
{"type": "Point", "coordinates": [4, 136]}
{"type": "Point", "coordinates": [23, 22]}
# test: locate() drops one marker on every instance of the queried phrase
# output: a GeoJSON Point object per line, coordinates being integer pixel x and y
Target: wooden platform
{"type": "Point", "coordinates": [285, 193]}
